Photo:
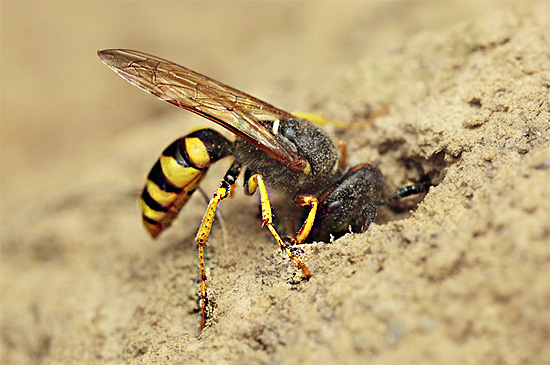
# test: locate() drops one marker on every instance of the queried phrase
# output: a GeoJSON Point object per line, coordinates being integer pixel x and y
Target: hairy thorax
{"type": "Point", "coordinates": [312, 143]}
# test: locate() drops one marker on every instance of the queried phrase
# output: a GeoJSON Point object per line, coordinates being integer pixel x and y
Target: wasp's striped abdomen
{"type": "Point", "coordinates": [176, 175]}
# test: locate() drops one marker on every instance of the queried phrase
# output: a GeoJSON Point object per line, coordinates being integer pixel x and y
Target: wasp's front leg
{"type": "Point", "coordinates": [304, 200]}
{"type": "Point", "coordinates": [256, 181]}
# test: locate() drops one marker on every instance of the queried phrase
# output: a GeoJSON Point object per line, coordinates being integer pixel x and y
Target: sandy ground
{"type": "Point", "coordinates": [465, 278]}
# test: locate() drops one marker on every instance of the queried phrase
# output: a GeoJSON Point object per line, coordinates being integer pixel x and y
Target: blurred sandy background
{"type": "Point", "coordinates": [59, 106]}
{"type": "Point", "coordinates": [81, 282]}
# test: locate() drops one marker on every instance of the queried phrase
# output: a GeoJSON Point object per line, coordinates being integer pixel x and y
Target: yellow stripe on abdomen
{"type": "Point", "coordinates": [196, 152]}
{"type": "Point", "coordinates": [176, 175]}
{"type": "Point", "coordinates": [162, 197]}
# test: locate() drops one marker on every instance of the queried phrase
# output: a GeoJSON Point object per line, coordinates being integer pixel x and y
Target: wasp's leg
{"type": "Point", "coordinates": [254, 182]}
{"type": "Point", "coordinates": [303, 200]}
{"type": "Point", "coordinates": [343, 147]}
{"type": "Point", "coordinates": [201, 238]}
{"type": "Point", "coordinates": [369, 215]}
{"type": "Point", "coordinates": [320, 120]}
{"type": "Point", "coordinates": [405, 191]}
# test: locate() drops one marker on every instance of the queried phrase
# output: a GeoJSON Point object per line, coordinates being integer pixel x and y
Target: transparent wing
{"type": "Point", "coordinates": [242, 114]}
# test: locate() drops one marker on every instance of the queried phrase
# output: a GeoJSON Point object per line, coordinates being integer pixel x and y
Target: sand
{"type": "Point", "coordinates": [463, 277]}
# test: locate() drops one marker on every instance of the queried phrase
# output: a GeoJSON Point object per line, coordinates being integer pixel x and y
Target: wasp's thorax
{"type": "Point", "coordinates": [311, 142]}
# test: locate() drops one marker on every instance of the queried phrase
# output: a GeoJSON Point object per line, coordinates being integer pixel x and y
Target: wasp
{"type": "Point", "coordinates": [275, 148]}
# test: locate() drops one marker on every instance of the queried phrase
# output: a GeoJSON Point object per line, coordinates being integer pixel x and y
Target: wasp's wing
{"type": "Point", "coordinates": [242, 114]}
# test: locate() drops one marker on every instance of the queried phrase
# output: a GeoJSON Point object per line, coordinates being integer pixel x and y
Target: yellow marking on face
{"type": "Point", "coordinates": [177, 174]}
{"type": "Point", "coordinates": [197, 153]}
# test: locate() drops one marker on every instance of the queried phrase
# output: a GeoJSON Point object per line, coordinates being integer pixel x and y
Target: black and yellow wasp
{"type": "Point", "coordinates": [276, 149]}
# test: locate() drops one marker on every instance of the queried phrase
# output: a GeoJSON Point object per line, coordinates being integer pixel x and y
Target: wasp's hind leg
{"type": "Point", "coordinates": [256, 181]}
{"type": "Point", "coordinates": [322, 121]}
{"type": "Point", "coordinates": [201, 238]}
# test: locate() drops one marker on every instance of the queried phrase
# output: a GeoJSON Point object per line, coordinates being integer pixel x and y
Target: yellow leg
{"type": "Point", "coordinates": [343, 147]}
{"type": "Point", "coordinates": [202, 237]}
{"type": "Point", "coordinates": [257, 181]}
{"type": "Point", "coordinates": [319, 120]}
{"type": "Point", "coordinates": [303, 200]}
